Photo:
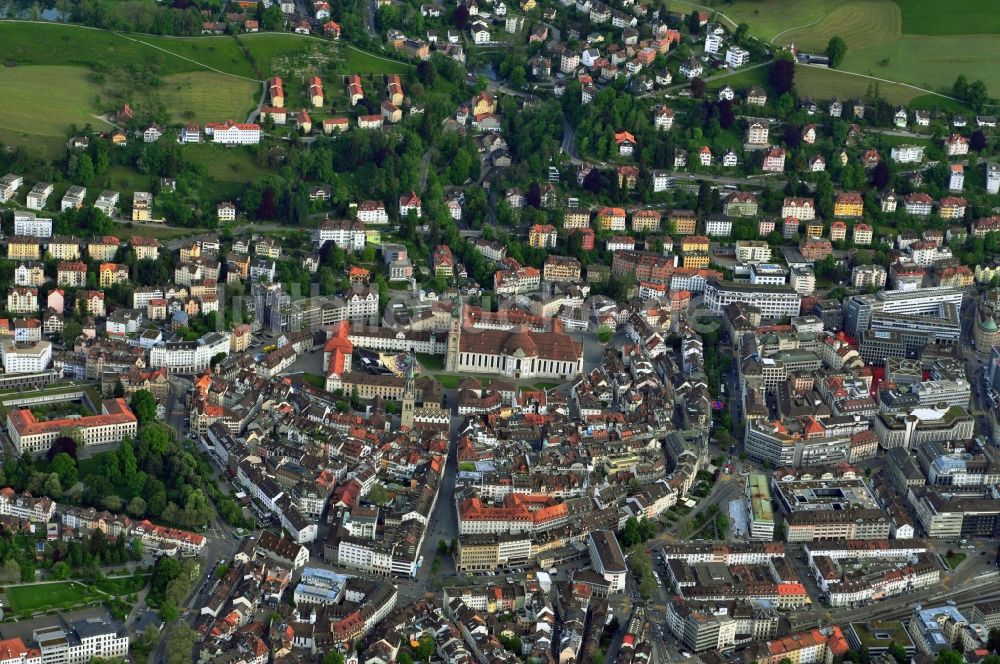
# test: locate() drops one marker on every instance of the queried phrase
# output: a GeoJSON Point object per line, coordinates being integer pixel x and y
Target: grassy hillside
{"type": "Point", "coordinates": [57, 44]}
{"type": "Point", "coordinates": [861, 24]}
{"type": "Point", "coordinates": [769, 18]}
{"type": "Point", "coordinates": [955, 17]}
{"type": "Point", "coordinates": [924, 43]}
{"type": "Point", "coordinates": [205, 96]}
{"type": "Point", "coordinates": [931, 62]}
{"type": "Point", "coordinates": [42, 101]}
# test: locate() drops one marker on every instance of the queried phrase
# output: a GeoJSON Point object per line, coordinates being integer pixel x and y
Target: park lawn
{"type": "Point", "coordinates": [62, 44]}
{"type": "Point", "coordinates": [46, 100]}
{"type": "Point", "coordinates": [206, 96]}
{"type": "Point", "coordinates": [931, 62]}
{"type": "Point", "coordinates": [955, 559]}
{"type": "Point", "coordinates": [90, 465]}
{"type": "Point", "coordinates": [860, 24]}
{"type": "Point", "coordinates": [216, 52]}
{"type": "Point", "coordinates": [42, 596]}
{"type": "Point", "coordinates": [448, 382]}
{"type": "Point", "coordinates": [956, 17]}
{"type": "Point", "coordinates": [315, 380]}
{"type": "Point", "coordinates": [430, 362]}
{"type": "Point", "coordinates": [823, 83]}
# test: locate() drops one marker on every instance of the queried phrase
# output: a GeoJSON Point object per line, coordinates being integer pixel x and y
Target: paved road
{"type": "Point", "coordinates": [255, 113]}
{"type": "Point", "coordinates": [425, 163]}
{"type": "Point", "coordinates": [569, 143]}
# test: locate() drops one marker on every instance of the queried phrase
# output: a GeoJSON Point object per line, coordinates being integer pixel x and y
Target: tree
{"type": "Point", "coordinates": [63, 444]}
{"type": "Point", "coordinates": [741, 34]}
{"type": "Point", "coordinates": [836, 49]}
{"type": "Point", "coordinates": [977, 141]}
{"type": "Point", "coordinates": [144, 405]}
{"type": "Point", "coordinates": [697, 88]}
{"type": "Point", "coordinates": [961, 87]}
{"type": "Point", "coordinates": [136, 507]}
{"type": "Point", "coordinates": [10, 572]}
{"type": "Point", "coordinates": [333, 657]}
{"type": "Point", "coordinates": [950, 657]}
{"type": "Point", "coordinates": [898, 653]}
{"type": "Point", "coordinates": [271, 18]}
{"type": "Point", "coordinates": [976, 96]}
{"type": "Point", "coordinates": [378, 494]}
{"type": "Point", "coordinates": [181, 642]}
{"type": "Point", "coordinates": [426, 648]}
{"type": "Point", "coordinates": [119, 389]}
{"type": "Point", "coordinates": [605, 333]}
{"type": "Point", "coordinates": [512, 644]}
{"type": "Point", "coordinates": [60, 570]}
{"type": "Point", "coordinates": [782, 74]}
{"type": "Point", "coordinates": [881, 175]}
{"type": "Point", "coordinates": [64, 466]}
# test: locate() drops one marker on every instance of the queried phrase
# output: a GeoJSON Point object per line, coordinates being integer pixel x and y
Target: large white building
{"type": "Point", "coordinates": [28, 223]}
{"type": "Point", "coordinates": [233, 133]}
{"type": "Point", "coordinates": [907, 154]}
{"type": "Point", "coordinates": [189, 356]}
{"type": "Point", "coordinates": [737, 57]}
{"type": "Point", "coordinates": [344, 233]}
{"type": "Point", "coordinates": [773, 301]}
{"type": "Point", "coordinates": [21, 357]}
{"type": "Point", "coordinates": [69, 642]}
{"type": "Point", "coordinates": [803, 209]}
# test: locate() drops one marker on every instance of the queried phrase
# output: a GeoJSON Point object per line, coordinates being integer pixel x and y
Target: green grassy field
{"type": "Point", "coordinates": [58, 44]}
{"type": "Point", "coordinates": [361, 62]}
{"type": "Point", "coordinates": [861, 24]}
{"type": "Point", "coordinates": [222, 53]}
{"type": "Point", "coordinates": [225, 164]}
{"type": "Point", "coordinates": [920, 42]}
{"type": "Point", "coordinates": [931, 62]}
{"type": "Point", "coordinates": [42, 596]}
{"type": "Point", "coordinates": [769, 18]}
{"type": "Point", "coordinates": [209, 96]}
{"type": "Point", "coordinates": [821, 83]}
{"type": "Point", "coordinates": [47, 100]}
{"type": "Point", "coordinates": [264, 48]}
{"type": "Point", "coordinates": [126, 180]}
{"type": "Point", "coordinates": [42, 103]}
{"type": "Point", "coordinates": [957, 17]}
